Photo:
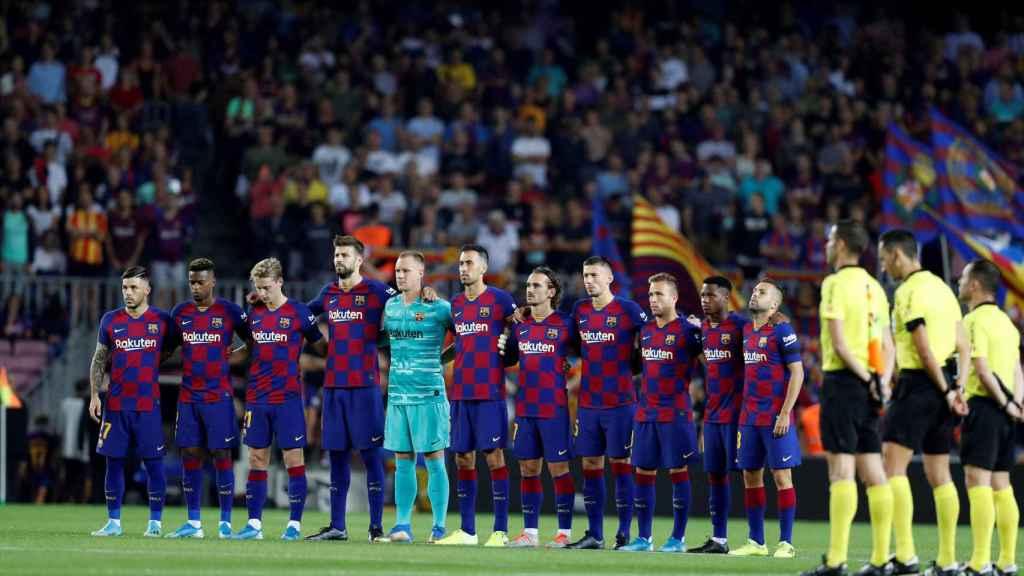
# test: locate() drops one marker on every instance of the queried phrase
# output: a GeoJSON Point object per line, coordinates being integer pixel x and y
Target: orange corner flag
{"type": "Point", "coordinates": [7, 396]}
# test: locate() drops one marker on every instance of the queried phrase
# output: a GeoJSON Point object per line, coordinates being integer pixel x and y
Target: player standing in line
{"type": "Point", "coordinates": [987, 450]}
{"type": "Point", "coordinates": [418, 414]}
{"type": "Point", "coordinates": [353, 404]}
{"type": "Point", "coordinates": [608, 327]}
{"type": "Point", "coordinates": [722, 336]}
{"type": "Point", "coordinates": [857, 358]}
{"type": "Point", "coordinates": [664, 431]}
{"type": "Point", "coordinates": [134, 338]}
{"type": "Point", "coordinates": [273, 400]}
{"type": "Point", "coordinates": [773, 375]}
{"type": "Point", "coordinates": [479, 412]}
{"type": "Point", "coordinates": [542, 343]}
{"type": "Point", "coordinates": [206, 409]}
{"type": "Point", "coordinates": [927, 399]}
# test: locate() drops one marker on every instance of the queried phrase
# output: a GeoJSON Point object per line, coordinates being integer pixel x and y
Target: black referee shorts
{"type": "Point", "coordinates": [918, 417]}
{"type": "Point", "coordinates": [849, 421]}
{"type": "Point", "coordinates": [987, 440]}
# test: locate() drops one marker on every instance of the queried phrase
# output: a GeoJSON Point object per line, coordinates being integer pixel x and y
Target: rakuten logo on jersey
{"type": "Point", "coordinates": [344, 315]}
{"type": "Point", "coordinates": [714, 354]}
{"type": "Point", "coordinates": [754, 357]}
{"type": "Point", "coordinates": [269, 337]}
{"type": "Point", "coordinates": [536, 348]}
{"type": "Point", "coordinates": [597, 337]}
{"type": "Point", "coordinates": [469, 328]}
{"type": "Point", "coordinates": [201, 337]}
{"type": "Point", "coordinates": [134, 344]}
{"type": "Point", "coordinates": [656, 354]}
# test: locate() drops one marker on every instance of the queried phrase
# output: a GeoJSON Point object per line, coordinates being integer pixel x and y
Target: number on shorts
{"type": "Point", "coordinates": [515, 429]}
{"type": "Point", "coordinates": [248, 419]}
{"type": "Point", "coordinates": [105, 430]}
{"type": "Point", "coordinates": [739, 436]}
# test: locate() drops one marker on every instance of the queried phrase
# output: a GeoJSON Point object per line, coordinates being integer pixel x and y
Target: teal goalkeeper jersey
{"type": "Point", "coordinates": [416, 335]}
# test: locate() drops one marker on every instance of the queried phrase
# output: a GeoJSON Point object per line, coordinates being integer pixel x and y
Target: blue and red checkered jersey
{"type": "Point", "coordinates": [667, 353]}
{"type": "Point", "coordinates": [353, 328]}
{"type": "Point", "coordinates": [274, 363]}
{"type": "Point", "coordinates": [543, 348]}
{"type": "Point", "coordinates": [723, 368]}
{"type": "Point", "coordinates": [607, 337]}
{"type": "Point", "coordinates": [135, 345]}
{"type": "Point", "coordinates": [479, 371]}
{"type": "Point", "coordinates": [206, 337]}
{"type": "Point", "coordinates": [766, 354]}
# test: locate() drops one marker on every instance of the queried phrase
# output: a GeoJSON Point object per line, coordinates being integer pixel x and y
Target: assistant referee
{"type": "Point", "coordinates": [994, 388]}
{"type": "Point", "coordinates": [926, 400]}
{"type": "Point", "coordinates": [854, 310]}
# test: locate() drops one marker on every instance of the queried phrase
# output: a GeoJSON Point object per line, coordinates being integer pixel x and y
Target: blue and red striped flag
{"type": "Point", "coordinates": [978, 191]}
{"type": "Point", "coordinates": [909, 181]}
{"type": "Point", "coordinates": [604, 245]}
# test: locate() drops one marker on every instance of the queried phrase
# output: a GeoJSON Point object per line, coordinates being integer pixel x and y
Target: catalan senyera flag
{"type": "Point", "coordinates": [7, 396]}
{"type": "Point", "coordinates": [658, 248]}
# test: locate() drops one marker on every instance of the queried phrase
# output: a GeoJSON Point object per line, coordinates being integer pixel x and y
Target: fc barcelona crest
{"type": "Point", "coordinates": [485, 311]}
{"type": "Point", "coordinates": [420, 316]}
{"type": "Point", "coordinates": [285, 323]}
{"type": "Point", "coordinates": [726, 338]}
{"type": "Point", "coordinates": [670, 339]}
{"type": "Point", "coordinates": [763, 342]}
{"type": "Point", "coordinates": [360, 300]}
{"type": "Point", "coordinates": [216, 322]}
{"type": "Point", "coordinates": [153, 328]}
{"type": "Point", "coordinates": [611, 321]}
{"type": "Point", "coordinates": [552, 333]}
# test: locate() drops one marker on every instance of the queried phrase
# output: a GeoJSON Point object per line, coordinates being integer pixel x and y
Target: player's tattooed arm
{"type": "Point", "coordinates": [97, 372]}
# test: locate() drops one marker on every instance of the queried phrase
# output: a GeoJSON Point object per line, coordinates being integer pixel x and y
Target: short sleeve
{"type": "Point", "coordinates": [881, 303]}
{"type": "Point", "coordinates": [789, 344]}
{"type": "Point", "coordinates": [833, 299]}
{"type": "Point", "coordinates": [508, 304]}
{"type": "Point", "coordinates": [385, 291]}
{"type": "Point", "coordinates": [914, 308]}
{"type": "Point", "coordinates": [309, 325]}
{"type": "Point", "coordinates": [239, 321]}
{"type": "Point", "coordinates": [445, 313]}
{"type": "Point", "coordinates": [104, 332]}
{"type": "Point", "coordinates": [979, 334]}
{"type": "Point", "coordinates": [637, 314]}
{"type": "Point", "coordinates": [316, 305]}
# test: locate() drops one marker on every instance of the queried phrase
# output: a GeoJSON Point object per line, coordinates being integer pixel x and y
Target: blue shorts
{"type": "Point", "coordinates": [604, 431]}
{"type": "Point", "coordinates": [548, 438]}
{"type": "Point", "coordinates": [122, 429]}
{"type": "Point", "coordinates": [664, 444]}
{"type": "Point", "coordinates": [284, 422]}
{"type": "Point", "coordinates": [720, 447]}
{"type": "Point", "coordinates": [479, 425]}
{"type": "Point", "coordinates": [757, 446]}
{"type": "Point", "coordinates": [201, 425]}
{"type": "Point", "coordinates": [353, 418]}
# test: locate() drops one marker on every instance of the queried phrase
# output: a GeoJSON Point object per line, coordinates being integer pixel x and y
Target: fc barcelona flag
{"type": "Point", "coordinates": [658, 248]}
{"type": "Point", "coordinates": [604, 245]}
{"type": "Point", "coordinates": [977, 190]}
{"type": "Point", "coordinates": [908, 182]}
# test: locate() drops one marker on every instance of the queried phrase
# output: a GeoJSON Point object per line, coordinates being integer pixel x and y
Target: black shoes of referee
{"type": "Point", "coordinates": [328, 533]}
{"type": "Point", "coordinates": [588, 542]}
{"type": "Point", "coordinates": [825, 570]}
{"type": "Point", "coordinates": [710, 547]}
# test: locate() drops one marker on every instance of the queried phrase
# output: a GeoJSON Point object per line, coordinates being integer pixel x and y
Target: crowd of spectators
{"type": "Point", "coordinates": [749, 127]}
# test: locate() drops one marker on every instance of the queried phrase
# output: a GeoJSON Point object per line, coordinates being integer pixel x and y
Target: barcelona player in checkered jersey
{"type": "Point", "coordinates": [134, 339]}
{"type": "Point", "coordinates": [722, 334]}
{"type": "Point", "coordinates": [273, 398]}
{"type": "Point", "coordinates": [353, 402]}
{"type": "Point", "coordinates": [772, 377]}
{"type": "Point", "coordinates": [608, 327]}
{"type": "Point", "coordinates": [664, 431]}
{"type": "Point", "coordinates": [206, 409]}
{"type": "Point", "coordinates": [479, 412]}
{"type": "Point", "coordinates": [542, 344]}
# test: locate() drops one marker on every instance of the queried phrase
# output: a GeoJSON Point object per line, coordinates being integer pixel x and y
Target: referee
{"type": "Point", "coordinates": [994, 388]}
{"type": "Point", "coordinates": [926, 400]}
{"type": "Point", "coordinates": [854, 308]}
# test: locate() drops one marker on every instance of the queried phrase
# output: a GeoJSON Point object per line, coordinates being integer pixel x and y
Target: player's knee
{"type": "Point", "coordinates": [653, 472]}
{"type": "Point", "coordinates": [220, 454]}
{"type": "Point", "coordinates": [975, 476]}
{"type": "Point", "coordinates": [783, 478]}
{"type": "Point", "coordinates": [753, 478]}
{"type": "Point", "coordinates": [557, 468]}
{"type": "Point", "coordinates": [293, 458]}
{"type": "Point", "coordinates": [495, 459]}
{"type": "Point", "coordinates": [259, 458]}
{"type": "Point", "coordinates": [936, 470]}
{"type": "Point", "coordinates": [196, 453]}
{"type": "Point", "coordinates": [466, 461]}
{"type": "Point", "coordinates": [593, 462]}
{"type": "Point", "coordinates": [677, 470]}
{"type": "Point", "coordinates": [529, 467]}
{"type": "Point", "coordinates": [1000, 480]}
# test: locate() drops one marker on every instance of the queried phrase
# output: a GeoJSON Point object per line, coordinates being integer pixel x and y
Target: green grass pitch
{"type": "Point", "coordinates": [55, 540]}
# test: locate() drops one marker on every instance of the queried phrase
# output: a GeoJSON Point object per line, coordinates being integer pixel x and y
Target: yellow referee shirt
{"type": "Point", "coordinates": [924, 298]}
{"type": "Point", "coordinates": [853, 296]}
{"type": "Point", "coordinates": [995, 338]}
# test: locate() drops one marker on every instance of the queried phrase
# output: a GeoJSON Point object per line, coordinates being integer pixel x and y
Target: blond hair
{"type": "Point", "coordinates": [267, 268]}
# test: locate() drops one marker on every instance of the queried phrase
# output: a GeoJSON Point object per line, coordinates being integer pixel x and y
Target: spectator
{"type": "Point", "coordinates": [501, 240]}
{"type": "Point", "coordinates": [531, 153]}
{"type": "Point", "coordinates": [350, 193]}
{"type": "Point", "coordinates": [391, 204]}
{"type": "Point", "coordinates": [128, 232]}
{"type": "Point", "coordinates": [1008, 104]}
{"type": "Point", "coordinates": [17, 235]}
{"type": "Point", "coordinates": [548, 75]}
{"type": "Point", "coordinates": [427, 235]}
{"type": "Point", "coordinates": [49, 132]}
{"type": "Point", "coordinates": [766, 184]}
{"type": "Point", "coordinates": [387, 126]}
{"type": "Point", "coordinates": [303, 187]}
{"type": "Point", "coordinates": [332, 157]}
{"type": "Point", "coordinates": [240, 118]}
{"type": "Point", "coordinates": [276, 234]}
{"type": "Point", "coordinates": [49, 172]}
{"type": "Point", "coordinates": [612, 180]}
{"type": "Point", "coordinates": [460, 157]}
{"type": "Point", "coordinates": [380, 160]}
{"type": "Point", "coordinates": [318, 249]}
{"type": "Point", "coordinates": [426, 130]}
{"type": "Point", "coordinates": [86, 225]}
{"type": "Point", "coordinates": [597, 136]}
{"type": "Point", "coordinates": [48, 258]}
{"type": "Point", "coordinates": [107, 62]}
{"type": "Point", "coordinates": [265, 153]}
{"type": "Point", "coordinates": [753, 226]}
{"type": "Point", "coordinates": [457, 194]}
{"type": "Point", "coordinates": [46, 77]}
{"type": "Point", "coordinates": [457, 72]}
{"type": "Point", "coordinates": [465, 226]}
{"type": "Point", "coordinates": [43, 215]}
{"type": "Point", "coordinates": [127, 97]}
{"type": "Point", "coordinates": [780, 248]}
